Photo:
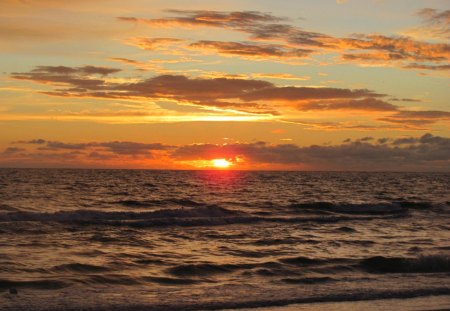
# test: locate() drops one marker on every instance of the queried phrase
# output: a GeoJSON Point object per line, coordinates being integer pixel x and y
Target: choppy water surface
{"type": "Point", "coordinates": [193, 240]}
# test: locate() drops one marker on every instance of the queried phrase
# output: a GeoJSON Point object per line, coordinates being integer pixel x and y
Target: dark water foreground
{"type": "Point", "coordinates": [177, 240]}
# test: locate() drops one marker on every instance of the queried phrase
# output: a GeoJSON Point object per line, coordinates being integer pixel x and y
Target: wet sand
{"type": "Point", "coordinates": [429, 303]}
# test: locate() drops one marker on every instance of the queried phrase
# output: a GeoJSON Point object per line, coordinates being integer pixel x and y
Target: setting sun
{"type": "Point", "coordinates": [221, 163]}
{"type": "Point", "coordinates": [224, 154]}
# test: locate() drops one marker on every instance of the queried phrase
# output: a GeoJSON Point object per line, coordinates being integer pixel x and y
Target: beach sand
{"type": "Point", "coordinates": [411, 304]}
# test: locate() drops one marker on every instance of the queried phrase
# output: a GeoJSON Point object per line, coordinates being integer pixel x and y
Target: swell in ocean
{"type": "Point", "coordinates": [148, 240]}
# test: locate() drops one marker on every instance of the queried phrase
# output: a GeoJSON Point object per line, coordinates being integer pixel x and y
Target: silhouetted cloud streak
{"type": "Point", "coordinates": [427, 152]}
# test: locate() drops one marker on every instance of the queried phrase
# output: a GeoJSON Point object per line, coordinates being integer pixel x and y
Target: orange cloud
{"type": "Point", "coordinates": [240, 95]}
{"type": "Point", "coordinates": [250, 50]}
{"type": "Point", "coordinates": [217, 92]}
{"type": "Point", "coordinates": [417, 118]}
{"type": "Point", "coordinates": [345, 126]}
{"type": "Point", "coordinates": [427, 152]}
{"type": "Point", "coordinates": [208, 18]}
{"type": "Point", "coordinates": [365, 104]}
{"type": "Point", "coordinates": [152, 43]}
{"type": "Point", "coordinates": [395, 51]}
{"type": "Point", "coordinates": [427, 67]}
{"type": "Point", "coordinates": [375, 49]}
{"type": "Point", "coordinates": [280, 76]}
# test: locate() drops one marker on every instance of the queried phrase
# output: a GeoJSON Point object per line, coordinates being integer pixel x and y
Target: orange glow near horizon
{"type": "Point", "coordinates": [175, 85]}
{"type": "Point", "coordinates": [221, 163]}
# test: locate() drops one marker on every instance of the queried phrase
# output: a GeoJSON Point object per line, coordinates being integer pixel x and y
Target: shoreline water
{"type": "Point", "coordinates": [388, 301]}
{"type": "Point", "coordinates": [427, 303]}
{"type": "Point", "coordinates": [177, 240]}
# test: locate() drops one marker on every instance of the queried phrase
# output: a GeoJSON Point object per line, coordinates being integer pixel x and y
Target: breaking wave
{"type": "Point", "coordinates": [423, 264]}
{"type": "Point", "coordinates": [166, 202]}
{"type": "Point", "coordinates": [197, 216]}
{"type": "Point", "coordinates": [400, 207]}
{"type": "Point", "coordinates": [79, 267]}
{"type": "Point", "coordinates": [38, 284]}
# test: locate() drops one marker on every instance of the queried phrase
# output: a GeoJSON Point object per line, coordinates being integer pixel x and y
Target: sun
{"type": "Point", "coordinates": [221, 163]}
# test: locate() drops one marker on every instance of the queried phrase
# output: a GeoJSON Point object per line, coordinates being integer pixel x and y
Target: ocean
{"type": "Point", "coordinates": [210, 240]}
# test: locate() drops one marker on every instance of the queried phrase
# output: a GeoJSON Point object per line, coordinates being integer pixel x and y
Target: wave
{"type": "Point", "coordinates": [423, 264]}
{"type": "Point", "coordinates": [354, 296]}
{"type": "Point", "coordinates": [388, 208]}
{"type": "Point", "coordinates": [439, 263]}
{"type": "Point", "coordinates": [36, 284]}
{"type": "Point", "coordinates": [292, 270]}
{"type": "Point", "coordinates": [284, 266]}
{"type": "Point", "coordinates": [8, 208]}
{"type": "Point", "coordinates": [169, 281]}
{"type": "Point", "coordinates": [149, 222]}
{"type": "Point", "coordinates": [79, 267]}
{"type": "Point", "coordinates": [86, 215]}
{"type": "Point", "coordinates": [204, 269]}
{"type": "Point", "coordinates": [300, 264]}
{"type": "Point", "coordinates": [285, 240]}
{"type": "Point", "coordinates": [364, 208]}
{"type": "Point", "coordinates": [300, 260]}
{"type": "Point", "coordinates": [347, 229]}
{"type": "Point", "coordinates": [244, 302]}
{"type": "Point", "coordinates": [165, 202]}
{"type": "Point", "coordinates": [311, 280]}
{"type": "Point", "coordinates": [107, 279]}
{"type": "Point", "coordinates": [198, 216]}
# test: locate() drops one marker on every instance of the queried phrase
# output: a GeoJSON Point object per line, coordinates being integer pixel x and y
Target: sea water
{"type": "Point", "coordinates": [203, 240]}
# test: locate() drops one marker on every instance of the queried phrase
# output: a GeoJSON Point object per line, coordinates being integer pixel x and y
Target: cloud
{"type": "Point", "coordinates": [374, 49]}
{"type": "Point", "coordinates": [126, 60]}
{"type": "Point", "coordinates": [427, 152]}
{"type": "Point", "coordinates": [79, 77]}
{"type": "Point", "coordinates": [131, 148]}
{"type": "Point", "coordinates": [367, 104]}
{"type": "Point", "coordinates": [260, 26]}
{"type": "Point", "coordinates": [152, 43]}
{"type": "Point", "coordinates": [392, 50]}
{"type": "Point", "coordinates": [246, 95]}
{"type": "Point", "coordinates": [414, 100]}
{"type": "Point", "coordinates": [39, 141]}
{"type": "Point", "coordinates": [115, 147]}
{"type": "Point", "coordinates": [427, 67]}
{"type": "Point", "coordinates": [294, 94]}
{"type": "Point", "coordinates": [85, 70]}
{"type": "Point", "coordinates": [250, 50]}
{"type": "Point", "coordinates": [280, 76]}
{"type": "Point", "coordinates": [12, 151]}
{"type": "Point", "coordinates": [436, 25]}
{"type": "Point", "coordinates": [97, 156]}
{"type": "Point", "coordinates": [417, 118]}
{"type": "Point", "coordinates": [237, 19]}
{"type": "Point", "coordinates": [142, 66]}
{"type": "Point", "coordinates": [341, 126]}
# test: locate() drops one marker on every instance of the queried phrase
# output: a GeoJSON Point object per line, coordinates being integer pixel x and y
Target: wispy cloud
{"type": "Point", "coordinates": [251, 50]}
{"type": "Point", "coordinates": [417, 117]}
{"type": "Point", "coordinates": [373, 49]}
{"type": "Point", "coordinates": [153, 43]}
{"type": "Point", "coordinates": [436, 25]}
{"type": "Point", "coordinates": [365, 104]}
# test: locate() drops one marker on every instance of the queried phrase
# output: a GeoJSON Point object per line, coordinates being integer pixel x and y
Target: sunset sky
{"type": "Point", "coordinates": [251, 84]}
